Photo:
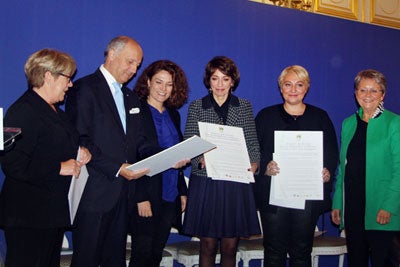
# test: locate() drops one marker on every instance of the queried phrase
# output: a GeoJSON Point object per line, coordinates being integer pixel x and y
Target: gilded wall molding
{"type": "Point", "coordinates": [384, 12]}
{"type": "Point", "coordinates": [339, 8]}
{"type": "Point", "coordinates": [379, 12]}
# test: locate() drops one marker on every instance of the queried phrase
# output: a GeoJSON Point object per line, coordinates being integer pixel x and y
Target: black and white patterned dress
{"type": "Point", "coordinates": [221, 208]}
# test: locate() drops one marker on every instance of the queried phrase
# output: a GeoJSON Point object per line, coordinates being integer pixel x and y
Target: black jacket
{"type": "Point", "coordinates": [275, 118]}
{"type": "Point", "coordinates": [34, 194]}
{"type": "Point", "coordinates": [150, 188]}
{"type": "Point", "coordinates": [91, 106]}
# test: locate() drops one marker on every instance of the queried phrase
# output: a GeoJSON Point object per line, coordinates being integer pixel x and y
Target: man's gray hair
{"type": "Point", "coordinates": [116, 44]}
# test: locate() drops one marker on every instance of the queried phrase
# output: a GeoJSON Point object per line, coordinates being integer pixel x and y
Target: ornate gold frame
{"type": "Point", "coordinates": [380, 19]}
{"type": "Point", "coordinates": [378, 12]}
{"type": "Point", "coordinates": [349, 10]}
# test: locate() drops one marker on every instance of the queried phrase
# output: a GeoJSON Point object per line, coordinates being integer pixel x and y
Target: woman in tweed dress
{"type": "Point", "coordinates": [221, 210]}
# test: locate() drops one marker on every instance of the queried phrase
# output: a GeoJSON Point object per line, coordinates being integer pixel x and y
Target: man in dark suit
{"type": "Point", "coordinates": [111, 135]}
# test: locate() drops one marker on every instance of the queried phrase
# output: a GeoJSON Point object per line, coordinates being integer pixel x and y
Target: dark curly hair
{"type": "Point", "coordinates": [224, 64]}
{"type": "Point", "coordinates": [180, 89]}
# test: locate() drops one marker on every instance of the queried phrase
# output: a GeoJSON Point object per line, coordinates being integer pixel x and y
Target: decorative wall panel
{"type": "Point", "coordinates": [379, 12]}
{"type": "Point", "coordinates": [338, 8]}
{"type": "Point", "coordinates": [385, 12]}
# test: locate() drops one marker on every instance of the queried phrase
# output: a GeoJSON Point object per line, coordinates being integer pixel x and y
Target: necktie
{"type": "Point", "coordinates": [119, 101]}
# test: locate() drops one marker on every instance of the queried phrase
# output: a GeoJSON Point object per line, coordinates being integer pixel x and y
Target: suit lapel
{"type": "Point", "coordinates": [233, 111]}
{"type": "Point", "coordinates": [133, 110]}
{"type": "Point", "coordinates": [148, 122]}
{"type": "Point", "coordinates": [233, 115]}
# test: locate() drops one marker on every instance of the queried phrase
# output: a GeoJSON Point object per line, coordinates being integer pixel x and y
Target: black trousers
{"type": "Point", "coordinates": [150, 236]}
{"type": "Point", "coordinates": [29, 247]}
{"type": "Point", "coordinates": [364, 245]}
{"type": "Point", "coordinates": [288, 231]}
{"type": "Point", "coordinates": [99, 238]}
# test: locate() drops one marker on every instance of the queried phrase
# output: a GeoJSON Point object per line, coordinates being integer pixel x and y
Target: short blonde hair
{"type": "Point", "coordinates": [300, 71]}
{"type": "Point", "coordinates": [44, 60]}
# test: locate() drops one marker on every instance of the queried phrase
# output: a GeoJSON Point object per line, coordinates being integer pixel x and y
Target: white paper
{"type": "Point", "coordinates": [287, 203]}
{"type": "Point", "coordinates": [167, 158]}
{"type": "Point", "coordinates": [230, 160]}
{"type": "Point", "coordinates": [1, 130]}
{"type": "Point", "coordinates": [299, 155]}
{"type": "Point", "coordinates": [76, 190]}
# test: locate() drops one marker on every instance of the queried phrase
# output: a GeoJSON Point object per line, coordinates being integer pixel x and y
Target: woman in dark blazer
{"type": "Point", "coordinates": [161, 199]}
{"type": "Point", "coordinates": [34, 209]}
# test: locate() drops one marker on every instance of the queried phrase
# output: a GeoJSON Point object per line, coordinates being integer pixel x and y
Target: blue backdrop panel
{"type": "Point", "coordinates": [262, 39]}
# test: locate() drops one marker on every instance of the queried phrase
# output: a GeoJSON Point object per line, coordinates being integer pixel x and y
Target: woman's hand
{"type": "Point", "coordinates": [144, 209]}
{"type": "Point", "coordinates": [383, 217]}
{"type": "Point", "coordinates": [335, 215]}
{"type": "Point", "coordinates": [202, 163]}
{"type": "Point", "coordinates": [84, 155]}
{"type": "Point", "coordinates": [183, 203]}
{"type": "Point", "coordinates": [254, 167]}
{"type": "Point", "coordinates": [272, 168]}
{"type": "Point", "coordinates": [71, 167]}
{"type": "Point", "coordinates": [326, 175]}
{"type": "Point", "coordinates": [181, 163]}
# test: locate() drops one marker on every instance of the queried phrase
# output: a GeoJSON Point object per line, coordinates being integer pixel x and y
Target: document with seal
{"type": "Point", "coordinates": [167, 158]}
{"type": "Point", "coordinates": [299, 155]}
{"type": "Point", "coordinates": [230, 160]}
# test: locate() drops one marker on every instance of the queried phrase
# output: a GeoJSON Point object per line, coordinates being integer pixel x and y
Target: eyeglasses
{"type": "Point", "coordinates": [365, 91]}
{"type": "Point", "coordinates": [65, 75]}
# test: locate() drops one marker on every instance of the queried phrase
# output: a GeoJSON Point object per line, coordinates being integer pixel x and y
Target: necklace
{"type": "Point", "coordinates": [295, 116]}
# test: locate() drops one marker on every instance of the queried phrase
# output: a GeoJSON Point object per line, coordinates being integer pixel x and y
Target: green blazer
{"type": "Point", "coordinates": [382, 169]}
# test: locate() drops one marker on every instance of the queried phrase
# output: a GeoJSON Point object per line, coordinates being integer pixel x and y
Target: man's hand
{"type": "Point", "coordinates": [131, 175]}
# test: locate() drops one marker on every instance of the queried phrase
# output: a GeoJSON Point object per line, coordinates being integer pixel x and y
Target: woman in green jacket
{"type": "Point", "coordinates": [366, 202]}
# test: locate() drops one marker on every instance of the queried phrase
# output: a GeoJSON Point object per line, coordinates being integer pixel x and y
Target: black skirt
{"type": "Point", "coordinates": [220, 209]}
